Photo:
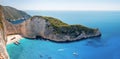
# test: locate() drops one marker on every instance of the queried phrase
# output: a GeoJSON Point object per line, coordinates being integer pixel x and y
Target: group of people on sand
{"type": "Point", "coordinates": [16, 42]}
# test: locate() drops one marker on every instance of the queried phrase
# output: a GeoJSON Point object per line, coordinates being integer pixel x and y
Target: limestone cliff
{"type": "Point", "coordinates": [46, 27]}
{"type": "Point", "coordinates": [51, 28]}
{"type": "Point", "coordinates": [3, 52]}
{"type": "Point", "coordinates": [55, 30]}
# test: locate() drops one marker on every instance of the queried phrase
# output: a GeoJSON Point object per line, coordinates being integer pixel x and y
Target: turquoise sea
{"type": "Point", "coordinates": [105, 47]}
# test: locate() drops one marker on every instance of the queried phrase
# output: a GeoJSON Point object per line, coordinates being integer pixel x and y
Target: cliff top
{"type": "Point", "coordinates": [66, 29]}
{"type": "Point", "coordinates": [14, 14]}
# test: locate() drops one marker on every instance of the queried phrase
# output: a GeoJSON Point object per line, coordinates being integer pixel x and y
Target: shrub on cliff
{"type": "Point", "coordinates": [63, 28]}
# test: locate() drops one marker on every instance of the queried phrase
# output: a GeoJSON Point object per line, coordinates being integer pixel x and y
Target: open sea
{"type": "Point", "coordinates": [105, 47]}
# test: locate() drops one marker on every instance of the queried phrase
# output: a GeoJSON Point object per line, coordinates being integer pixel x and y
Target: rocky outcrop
{"type": "Point", "coordinates": [39, 26]}
{"type": "Point", "coordinates": [33, 27]}
{"type": "Point", "coordinates": [3, 41]}
{"type": "Point", "coordinates": [47, 27]}
{"type": "Point", "coordinates": [12, 28]}
{"type": "Point", "coordinates": [12, 14]}
{"type": "Point", "coordinates": [52, 29]}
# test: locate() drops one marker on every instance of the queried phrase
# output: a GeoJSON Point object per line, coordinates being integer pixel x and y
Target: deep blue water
{"type": "Point", "coordinates": [106, 47]}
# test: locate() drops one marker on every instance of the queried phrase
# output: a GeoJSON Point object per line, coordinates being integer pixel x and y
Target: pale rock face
{"type": "Point", "coordinates": [33, 27]}
{"type": "Point", "coordinates": [3, 41]}
{"type": "Point", "coordinates": [38, 26]}
{"type": "Point", "coordinates": [11, 28]}
{"type": "Point", "coordinates": [3, 51]}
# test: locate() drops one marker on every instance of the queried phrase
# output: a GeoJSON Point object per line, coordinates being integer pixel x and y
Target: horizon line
{"type": "Point", "coordinates": [68, 10]}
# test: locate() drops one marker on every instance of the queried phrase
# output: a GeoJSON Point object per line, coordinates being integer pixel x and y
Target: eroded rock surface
{"type": "Point", "coordinates": [3, 40]}
{"type": "Point", "coordinates": [44, 28]}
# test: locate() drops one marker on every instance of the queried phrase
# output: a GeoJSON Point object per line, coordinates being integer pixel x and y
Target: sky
{"type": "Point", "coordinates": [63, 4]}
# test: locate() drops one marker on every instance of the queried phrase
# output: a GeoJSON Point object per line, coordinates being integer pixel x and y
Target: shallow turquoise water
{"type": "Point", "coordinates": [106, 47]}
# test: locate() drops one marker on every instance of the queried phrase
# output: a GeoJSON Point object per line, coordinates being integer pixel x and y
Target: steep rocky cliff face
{"type": "Point", "coordinates": [55, 30]}
{"type": "Point", "coordinates": [12, 28]}
{"type": "Point", "coordinates": [50, 28]}
{"type": "Point", "coordinates": [33, 27]}
{"type": "Point", "coordinates": [3, 52]}
{"type": "Point", "coordinates": [46, 27]}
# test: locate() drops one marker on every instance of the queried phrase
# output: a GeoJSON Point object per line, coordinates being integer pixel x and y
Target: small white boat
{"type": "Point", "coordinates": [74, 53]}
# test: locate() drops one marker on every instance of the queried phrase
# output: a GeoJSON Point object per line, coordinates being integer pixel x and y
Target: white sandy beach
{"type": "Point", "coordinates": [13, 38]}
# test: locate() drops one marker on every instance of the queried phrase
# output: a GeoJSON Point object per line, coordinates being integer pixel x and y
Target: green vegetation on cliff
{"type": "Point", "coordinates": [63, 28]}
{"type": "Point", "coordinates": [54, 21]}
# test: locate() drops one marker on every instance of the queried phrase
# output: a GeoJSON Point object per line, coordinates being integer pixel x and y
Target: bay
{"type": "Point", "coordinates": [105, 47]}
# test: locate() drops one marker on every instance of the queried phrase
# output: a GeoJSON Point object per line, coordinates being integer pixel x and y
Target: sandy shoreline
{"type": "Point", "coordinates": [13, 38]}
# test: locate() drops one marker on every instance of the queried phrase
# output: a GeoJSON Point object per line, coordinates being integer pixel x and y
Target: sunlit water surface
{"type": "Point", "coordinates": [106, 47]}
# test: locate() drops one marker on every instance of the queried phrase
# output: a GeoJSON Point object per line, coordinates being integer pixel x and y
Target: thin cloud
{"type": "Point", "coordinates": [63, 4]}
